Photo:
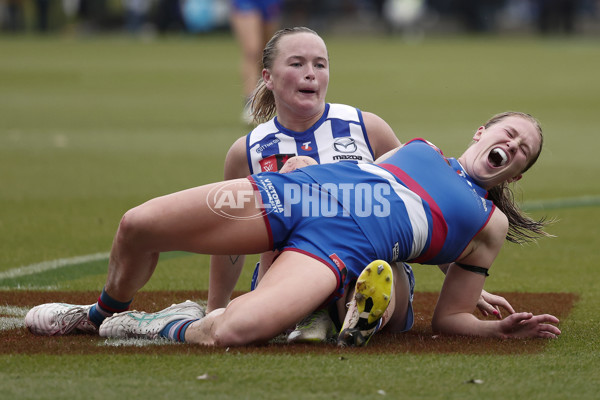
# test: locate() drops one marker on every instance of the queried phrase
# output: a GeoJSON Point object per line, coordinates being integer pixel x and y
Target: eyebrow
{"type": "Point", "coordinates": [304, 58]}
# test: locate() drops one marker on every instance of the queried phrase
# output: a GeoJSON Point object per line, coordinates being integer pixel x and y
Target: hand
{"type": "Point", "coordinates": [527, 325]}
{"type": "Point", "coordinates": [490, 304]}
{"type": "Point", "coordinates": [296, 162]}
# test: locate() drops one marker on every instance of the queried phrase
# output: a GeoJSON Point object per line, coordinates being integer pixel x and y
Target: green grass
{"type": "Point", "coordinates": [90, 128]}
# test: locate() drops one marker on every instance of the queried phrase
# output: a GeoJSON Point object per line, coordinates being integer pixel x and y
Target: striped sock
{"type": "Point", "coordinates": [105, 307]}
{"type": "Point", "coordinates": [176, 330]}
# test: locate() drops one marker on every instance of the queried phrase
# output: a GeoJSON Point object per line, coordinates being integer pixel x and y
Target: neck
{"type": "Point", "coordinates": [299, 123]}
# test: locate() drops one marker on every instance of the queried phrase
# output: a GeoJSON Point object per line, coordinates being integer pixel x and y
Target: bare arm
{"type": "Point", "coordinates": [488, 303]}
{"type": "Point", "coordinates": [225, 270]}
{"type": "Point", "coordinates": [461, 291]}
{"type": "Point", "coordinates": [381, 136]}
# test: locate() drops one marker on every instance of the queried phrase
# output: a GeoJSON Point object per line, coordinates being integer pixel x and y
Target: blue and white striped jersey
{"type": "Point", "coordinates": [339, 135]}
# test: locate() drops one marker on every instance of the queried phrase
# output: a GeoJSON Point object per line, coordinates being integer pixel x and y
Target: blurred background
{"type": "Point", "coordinates": [412, 18]}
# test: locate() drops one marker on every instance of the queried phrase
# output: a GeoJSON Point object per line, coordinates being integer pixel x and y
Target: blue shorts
{"type": "Point", "coordinates": [337, 242]}
{"type": "Point", "coordinates": [269, 9]}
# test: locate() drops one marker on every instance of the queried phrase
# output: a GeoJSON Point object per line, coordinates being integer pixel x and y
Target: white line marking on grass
{"type": "Point", "coordinates": [133, 342]}
{"type": "Point", "coordinates": [567, 202]}
{"type": "Point", "coordinates": [51, 265]}
{"type": "Point", "coordinates": [15, 317]}
{"type": "Point", "coordinates": [13, 311]}
{"type": "Point", "coordinates": [9, 323]}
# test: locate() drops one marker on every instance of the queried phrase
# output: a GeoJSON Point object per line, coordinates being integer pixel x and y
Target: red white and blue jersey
{"type": "Point", "coordinates": [436, 209]}
{"type": "Point", "coordinates": [417, 206]}
{"type": "Point", "coordinates": [339, 135]}
{"type": "Point", "coordinates": [449, 208]}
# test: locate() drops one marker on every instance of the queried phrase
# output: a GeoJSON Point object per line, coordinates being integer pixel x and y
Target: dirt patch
{"type": "Point", "coordinates": [419, 340]}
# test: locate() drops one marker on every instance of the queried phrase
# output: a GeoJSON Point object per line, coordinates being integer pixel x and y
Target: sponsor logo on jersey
{"type": "Point", "coordinates": [306, 146]}
{"type": "Point", "coordinates": [345, 145]}
{"type": "Point", "coordinates": [274, 162]}
{"type": "Point", "coordinates": [265, 146]}
{"type": "Point", "coordinates": [340, 265]}
{"type": "Point", "coordinates": [347, 157]}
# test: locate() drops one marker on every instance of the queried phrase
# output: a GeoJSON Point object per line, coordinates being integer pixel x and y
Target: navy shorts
{"type": "Point", "coordinates": [269, 9]}
{"type": "Point", "coordinates": [337, 242]}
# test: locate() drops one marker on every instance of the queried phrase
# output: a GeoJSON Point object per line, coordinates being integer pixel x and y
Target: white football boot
{"type": "Point", "coordinates": [57, 319]}
{"type": "Point", "coordinates": [139, 324]}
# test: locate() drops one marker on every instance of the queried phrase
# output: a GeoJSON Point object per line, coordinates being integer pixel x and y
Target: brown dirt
{"type": "Point", "coordinates": [419, 340]}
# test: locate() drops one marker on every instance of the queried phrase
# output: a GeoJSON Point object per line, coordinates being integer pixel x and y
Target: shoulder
{"type": "Point", "coordinates": [380, 134]}
{"type": "Point", "coordinates": [236, 161]}
{"type": "Point", "coordinates": [486, 245]}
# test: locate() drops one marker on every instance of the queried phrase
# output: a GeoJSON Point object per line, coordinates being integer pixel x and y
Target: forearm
{"type": "Point", "coordinates": [466, 324]}
{"type": "Point", "coordinates": [224, 274]}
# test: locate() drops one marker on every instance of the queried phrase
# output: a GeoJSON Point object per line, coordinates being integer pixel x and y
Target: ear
{"type": "Point", "coordinates": [515, 178]}
{"type": "Point", "coordinates": [266, 76]}
{"type": "Point", "coordinates": [478, 134]}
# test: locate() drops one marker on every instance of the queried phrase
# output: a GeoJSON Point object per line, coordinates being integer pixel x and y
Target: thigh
{"type": "Point", "coordinates": [401, 318]}
{"type": "Point", "coordinates": [198, 220]}
{"type": "Point", "coordinates": [294, 286]}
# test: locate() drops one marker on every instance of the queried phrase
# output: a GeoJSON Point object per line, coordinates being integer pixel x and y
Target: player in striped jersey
{"type": "Point", "coordinates": [295, 120]}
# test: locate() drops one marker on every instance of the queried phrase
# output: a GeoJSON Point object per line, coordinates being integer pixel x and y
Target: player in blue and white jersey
{"type": "Point", "coordinates": [289, 103]}
{"type": "Point", "coordinates": [326, 219]}
{"type": "Point", "coordinates": [295, 120]}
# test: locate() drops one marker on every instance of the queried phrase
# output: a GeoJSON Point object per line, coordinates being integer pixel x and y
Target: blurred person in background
{"type": "Point", "coordinates": [136, 12]}
{"type": "Point", "coordinates": [13, 19]}
{"type": "Point", "coordinates": [253, 23]}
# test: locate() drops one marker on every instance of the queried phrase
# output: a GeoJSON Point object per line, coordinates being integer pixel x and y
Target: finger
{"type": "Point", "coordinates": [485, 308]}
{"type": "Point", "coordinates": [522, 316]}
{"type": "Point", "coordinates": [550, 329]}
{"type": "Point", "coordinates": [506, 305]}
{"type": "Point", "coordinates": [497, 313]}
{"type": "Point", "coordinates": [547, 318]}
{"type": "Point", "coordinates": [547, 330]}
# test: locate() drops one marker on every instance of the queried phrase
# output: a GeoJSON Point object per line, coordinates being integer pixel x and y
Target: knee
{"type": "Point", "coordinates": [234, 331]}
{"type": "Point", "coordinates": [133, 225]}
{"type": "Point", "coordinates": [225, 336]}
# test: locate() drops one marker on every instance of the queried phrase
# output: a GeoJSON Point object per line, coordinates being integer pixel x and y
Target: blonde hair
{"type": "Point", "coordinates": [262, 101]}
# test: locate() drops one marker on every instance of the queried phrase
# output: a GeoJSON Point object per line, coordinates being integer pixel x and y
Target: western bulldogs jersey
{"type": "Point", "coordinates": [339, 135]}
{"type": "Point", "coordinates": [435, 208]}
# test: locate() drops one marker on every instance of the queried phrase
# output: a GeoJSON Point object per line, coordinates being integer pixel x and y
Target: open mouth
{"type": "Point", "coordinates": [307, 91]}
{"type": "Point", "coordinates": [497, 157]}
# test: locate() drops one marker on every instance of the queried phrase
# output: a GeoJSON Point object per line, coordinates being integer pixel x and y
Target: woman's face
{"type": "Point", "coordinates": [502, 151]}
{"type": "Point", "coordinates": [299, 75]}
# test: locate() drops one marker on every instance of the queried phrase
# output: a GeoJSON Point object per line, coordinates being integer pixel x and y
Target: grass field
{"type": "Point", "coordinates": [92, 127]}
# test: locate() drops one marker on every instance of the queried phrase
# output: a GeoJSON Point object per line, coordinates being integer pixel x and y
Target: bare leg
{"type": "Point", "coordinates": [394, 317]}
{"type": "Point", "coordinates": [293, 286]}
{"type": "Point", "coordinates": [180, 221]}
{"type": "Point", "coordinates": [248, 30]}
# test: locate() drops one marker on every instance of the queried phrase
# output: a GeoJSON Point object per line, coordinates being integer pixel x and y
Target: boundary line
{"type": "Point", "coordinates": [51, 265]}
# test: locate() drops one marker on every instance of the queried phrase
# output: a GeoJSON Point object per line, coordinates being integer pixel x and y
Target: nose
{"type": "Point", "coordinates": [512, 146]}
{"type": "Point", "coordinates": [310, 73]}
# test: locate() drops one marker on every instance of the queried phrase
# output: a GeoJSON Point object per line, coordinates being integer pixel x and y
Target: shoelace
{"type": "Point", "coordinates": [70, 319]}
